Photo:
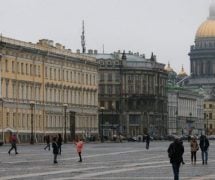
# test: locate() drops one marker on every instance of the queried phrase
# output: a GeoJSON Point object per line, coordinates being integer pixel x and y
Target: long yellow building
{"type": "Point", "coordinates": [40, 84]}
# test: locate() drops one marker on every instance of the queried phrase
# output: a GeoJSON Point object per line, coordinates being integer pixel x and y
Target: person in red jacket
{"type": "Point", "coordinates": [13, 141]}
{"type": "Point", "coordinates": [79, 146]}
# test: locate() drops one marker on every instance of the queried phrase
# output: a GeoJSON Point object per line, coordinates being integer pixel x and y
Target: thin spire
{"type": "Point", "coordinates": [83, 39]}
{"type": "Point", "coordinates": [103, 48]}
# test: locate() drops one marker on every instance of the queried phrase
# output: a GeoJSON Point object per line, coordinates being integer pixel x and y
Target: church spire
{"type": "Point", "coordinates": [212, 10]}
{"type": "Point", "coordinates": [83, 39]}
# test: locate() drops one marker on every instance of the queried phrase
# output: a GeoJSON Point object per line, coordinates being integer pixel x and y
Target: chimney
{"type": "Point", "coordinates": [95, 51]}
{"type": "Point", "coordinates": [78, 51]}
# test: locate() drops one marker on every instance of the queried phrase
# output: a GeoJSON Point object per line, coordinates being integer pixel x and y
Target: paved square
{"type": "Point", "coordinates": [122, 161]}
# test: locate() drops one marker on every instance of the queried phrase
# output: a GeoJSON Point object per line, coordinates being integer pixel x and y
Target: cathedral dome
{"type": "Point", "coordinates": [207, 28]}
{"type": "Point", "coordinates": [168, 68]}
{"type": "Point", "coordinates": [182, 72]}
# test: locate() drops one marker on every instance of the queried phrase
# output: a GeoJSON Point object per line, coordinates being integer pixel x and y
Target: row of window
{"type": "Point", "coordinates": [23, 121]}
{"type": "Point", "coordinates": [109, 76]}
{"type": "Point", "coordinates": [51, 73]}
{"type": "Point", "coordinates": [30, 91]}
{"type": "Point", "coordinates": [72, 76]}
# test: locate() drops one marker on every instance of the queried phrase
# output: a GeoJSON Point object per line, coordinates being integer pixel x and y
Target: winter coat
{"type": "Point", "coordinates": [194, 146]}
{"type": "Point", "coordinates": [55, 148]}
{"type": "Point", "coordinates": [59, 141]}
{"type": "Point", "coordinates": [175, 152]}
{"type": "Point", "coordinates": [204, 143]}
{"type": "Point", "coordinates": [79, 146]}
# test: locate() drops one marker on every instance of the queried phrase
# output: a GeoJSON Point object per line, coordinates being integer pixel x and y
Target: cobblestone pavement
{"type": "Point", "coordinates": [121, 161]}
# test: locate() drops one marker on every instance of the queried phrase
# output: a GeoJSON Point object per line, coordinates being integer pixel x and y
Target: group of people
{"type": "Point", "coordinates": [176, 151]}
{"type": "Point", "coordinates": [58, 140]}
{"type": "Point", "coordinates": [56, 145]}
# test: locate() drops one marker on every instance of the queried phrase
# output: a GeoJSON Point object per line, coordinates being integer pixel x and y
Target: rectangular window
{"type": "Point", "coordinates": [17, 68]}
{"type": "Point", "coordinates": [22, 68]}
{"type": "Point", "coordinates": [39, 71]}
{"type": "Point", "coordinates": [26, 68]}
{"type": "Point", "coordinates": [6, 65]}
{"type": "Point", "coordinates": [46, 72]}
{"type": "Point", "coordinates": [13, 66]}
{"type": "Point", "coordinates": [109, 76]}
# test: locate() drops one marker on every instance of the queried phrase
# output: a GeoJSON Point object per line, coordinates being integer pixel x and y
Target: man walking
{"type": "Point", "coordinates": [47, 138]}
{"type": "Point", "coordinates": [147, 141]}
{"type": "Point", "coordinates": [204, 145]}
{"type": "Point", "coordinates": [13, 141]}
{"type": "Point", "coordinates": [175, 152]}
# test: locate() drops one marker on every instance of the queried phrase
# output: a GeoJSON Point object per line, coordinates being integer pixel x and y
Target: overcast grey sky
{"type": "Point", "coordinates": [165, 27]}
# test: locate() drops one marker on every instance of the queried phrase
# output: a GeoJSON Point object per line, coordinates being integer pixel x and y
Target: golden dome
{"type": "Point", "coordinates": [168, 68]}
{"type": "Point", "coordinates": [206, 29]}
{"type": "Point", "coordinates": [182, 72]}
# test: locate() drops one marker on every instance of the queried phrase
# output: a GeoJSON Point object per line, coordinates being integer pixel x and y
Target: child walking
{"type": "Point", "coordinates": [55, 149]}
{"type": "Point", "coordinates": [79, 146]}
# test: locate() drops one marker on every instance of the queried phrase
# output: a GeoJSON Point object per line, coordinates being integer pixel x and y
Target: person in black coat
{"type": "Point", "coordinates": [204, 145]}
{"type": "Point", "coordinates": [59, 142]}
{"type": "Point", "coordinates": [147, 141]}
{"type": "Point", "coordinates": [55, 149]}
{"type": "Point", "coordinates": [47, 139]}
{"type": "Point", "coordinates": [175, 152]}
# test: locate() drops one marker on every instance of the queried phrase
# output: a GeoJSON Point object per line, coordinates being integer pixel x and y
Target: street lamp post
{"type": "Point", "coordinates": [32, 103]}
{"type": "Point", "coordinates": [102, 110]}
{"type": "Point", "coordinates": [176, 121]}
{"type": "Point", "coordinates": [207, 124]}
{"type": "Point", "coordinates": [65, 108]}
{"type": "Point", "coordinates": [190, 128]}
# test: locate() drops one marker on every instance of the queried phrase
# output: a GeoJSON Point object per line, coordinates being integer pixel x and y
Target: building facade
{"type": "Point", "coordinates": [185, 111]}
{"type": "Point", "coordinates": [202, 62]}
{"type": "Point", "coordinates": [202, 55]}
{"type": "Point", "coordinates": [209, 117]}
{"type": "Point", "coordinates": [132, 90]}
{"type": "Point", "coordinates": [40, 84]}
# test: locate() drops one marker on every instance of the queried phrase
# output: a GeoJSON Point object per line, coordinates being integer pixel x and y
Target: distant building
{"type": "Point", "coordinates": [132, 90]}
{"type": "Point", "coordinates": [40, 84]}
{"type": "Point", "coordinates": [185, 106]}
{"type": "Point", "coordinates": [202, 56]}
{"type": "Point", "coordinates": [185, 111]}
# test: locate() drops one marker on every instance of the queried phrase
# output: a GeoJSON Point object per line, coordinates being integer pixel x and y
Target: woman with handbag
{"type": "Point", "coordinates": [194, 148]}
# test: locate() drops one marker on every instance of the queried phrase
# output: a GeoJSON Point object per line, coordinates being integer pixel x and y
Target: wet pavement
{"type": "Point", "coordinates": [122, 161]}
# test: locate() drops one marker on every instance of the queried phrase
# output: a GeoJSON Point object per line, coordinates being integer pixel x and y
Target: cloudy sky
{"type": "Point", "coordinates": [165, 27]}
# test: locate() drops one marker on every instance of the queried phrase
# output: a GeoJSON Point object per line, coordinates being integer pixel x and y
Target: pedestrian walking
{"type": "Point", "coordinates": [59, 143]}
{"type": "Point", "coordinates": [204, 145]}
{"type": "Point", "coordinates": [175, 153]}
{"type": "Point", "coordinates": [147, 141]}
{"type": "Point", "coordinates": [47, 139]}
{"type": "Point", "coordinates": [182, 161]}
{"type": "Point", "coordinates": [13, 141]}
{"type": "Point", "coordinates": [55, 149]}
{"type": "Point", "coordinates": [194, 147]}
{"type": "Point", "coordinates": [79, 146]}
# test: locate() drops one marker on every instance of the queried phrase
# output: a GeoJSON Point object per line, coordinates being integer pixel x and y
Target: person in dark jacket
{"type": "Point", "coordinates": [55, 149]}
{"type": "Point", "coordinates": [13, 141]}
{"type": "Point", "coordinates": [204, 145]}
{"type": "Point", "coordinates": [147, 141]}
{"type": "Point", "coordinates": [47, 138]}
{"type": "Point", "coordinates": [175, 152]}
{"type": "Point", "coordinates": [59, 142]}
